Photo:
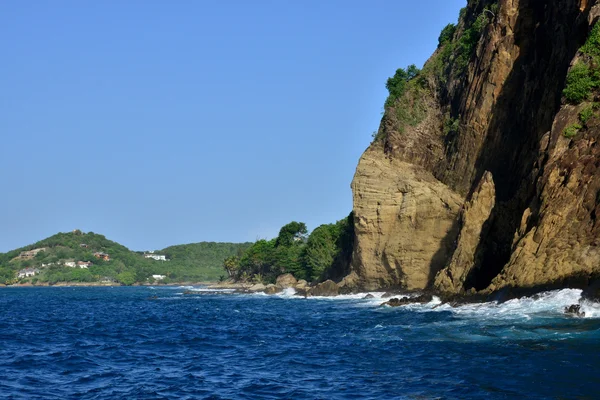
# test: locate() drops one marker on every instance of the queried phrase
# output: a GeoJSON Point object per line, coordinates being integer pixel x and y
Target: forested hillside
{"type": "Point", "coordinates": [89, 257]}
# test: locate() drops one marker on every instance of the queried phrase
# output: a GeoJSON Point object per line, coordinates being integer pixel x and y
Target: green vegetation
{"type": "Point", "coordinates": [586, 113]}
{"type": "Point", "coordinates": [447, 34]}
{"type": "Point", "coordinates": [456, 46]}
{"type": "Point", "coordinates": [397, 84]}
{"type": "Point", "coordinates": [584, 76]}
{"type": "Point", "coordinates": [591, 47]}
{"type": "Point", "coordinates": [572, 130]}
{"type": "Point", "coordinates": [451, 125]}
{"type": "Point", "coordinates": [197, 262]}
{"type": "Point", "coordinates": [194, 262]}
{"type": "Point", "coordinates": [406, 96]}
{"type": "Point", "coordinates": [581, 79]}
{"type": "Point", "coordinates": [468, 41]}
{"type": "Point", "coordinates": [316, 257]}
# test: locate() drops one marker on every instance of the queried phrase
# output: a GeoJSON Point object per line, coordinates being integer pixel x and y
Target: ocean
{"type": "Point", "coordinates": [159, 343]}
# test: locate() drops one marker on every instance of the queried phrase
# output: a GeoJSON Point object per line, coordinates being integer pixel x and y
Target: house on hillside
{"type": "Point", "coordinates": [27, 272]}
{"type": "Point", "coordinates": [28, 255]}
{"type": "Point", "coordinates": [70, 263]}
{"type": "Point", "coordinates": [158, 277]}
{"type": "Point", "coordinates": [102, 255]}
{"type": "Point", "coordinates": [84, 264]}
{"type": "Point", "coordinates": [158, 257]}
{"type": "Point", "coordinates": [83, 245]}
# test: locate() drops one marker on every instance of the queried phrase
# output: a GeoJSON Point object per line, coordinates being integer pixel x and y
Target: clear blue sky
{"type": "Point", "coordinates": [168, 122]}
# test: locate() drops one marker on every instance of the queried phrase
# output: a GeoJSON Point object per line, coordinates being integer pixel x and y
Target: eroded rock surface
{"type": "Point", "coordinates": [491, 132]}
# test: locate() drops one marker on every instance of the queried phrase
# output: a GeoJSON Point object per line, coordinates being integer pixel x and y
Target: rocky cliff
{"type": "Point", "coordinates": [484, 173]}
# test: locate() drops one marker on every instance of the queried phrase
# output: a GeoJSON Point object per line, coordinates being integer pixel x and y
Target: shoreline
{"type": "Point", "coordinates": [101, 284]}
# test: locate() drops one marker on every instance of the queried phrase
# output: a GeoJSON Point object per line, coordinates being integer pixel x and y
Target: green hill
{"type": "Point", "coordinates": [64, 257]}
{"type": "Point", "coordinates": [207, 256]}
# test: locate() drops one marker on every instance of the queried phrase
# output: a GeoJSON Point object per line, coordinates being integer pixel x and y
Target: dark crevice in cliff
{"type": "Point", "coordinates": [447, 247]}
{"type": "Point", "coordinates": [525, 110]}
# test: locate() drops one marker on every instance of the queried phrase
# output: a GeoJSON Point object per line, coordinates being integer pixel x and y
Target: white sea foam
{"type": "Point", "coordinates": [208, 290]}
{"type": "Point", "coordinates": [549, 304]}
{"type": "Point", "coordinates": [287, 292]}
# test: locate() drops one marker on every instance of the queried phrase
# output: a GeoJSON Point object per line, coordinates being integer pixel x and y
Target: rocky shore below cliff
{"type": "Point", "coordinates": [288, 285]}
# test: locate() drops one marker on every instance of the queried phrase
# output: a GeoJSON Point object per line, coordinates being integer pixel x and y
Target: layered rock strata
{"type": "Point", "coordinates": [484, 191]}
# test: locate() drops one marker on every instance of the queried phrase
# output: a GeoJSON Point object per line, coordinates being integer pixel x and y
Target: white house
{"type": "Point", "coordinates": [70, 263]}
{"type": "Point", "coordinates": [27, 272]}
{"type": "Point", "coordinates": [157, 257]}
{"type": "Point", "coordinates": [159, 277]}
{"type": "Point", "coordinates": [84, 264]}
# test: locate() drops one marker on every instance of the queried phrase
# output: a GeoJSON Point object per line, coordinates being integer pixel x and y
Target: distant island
{"type": "Point", "coordinates": [91, 259]}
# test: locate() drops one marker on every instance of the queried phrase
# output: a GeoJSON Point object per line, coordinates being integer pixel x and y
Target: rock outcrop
{"type": "Point", "coordinates": [286, 281]}
{"type": "Point", "coordinates": [401, 301]}
{"type": "Point", "coordinates": [471, 184]}
{"type": "Point", "coordinates": [473, 220]}
{"type": "Point", "coordinates": [258, 287]}
{"type": "Point", "coordinates": [327, 288]}
{"type": "Point", "coordinates": [404, 223]}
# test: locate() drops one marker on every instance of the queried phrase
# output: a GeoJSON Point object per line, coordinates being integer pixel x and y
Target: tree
{"type": "Point", "coordinates": [231, 265]}
{"type": "Point", "coordinates": [259, 259]}
{"type": "Point", "coordinates": [320, 250]}
{"type": "Point", "coordinates": [126, 278]}
{"type": "Point", "coordinates": [288, 234]}
{"type": "Point", "coordinates": [396, 85]}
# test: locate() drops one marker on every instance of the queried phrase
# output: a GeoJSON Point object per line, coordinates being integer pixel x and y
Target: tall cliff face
{"type": "Point", "coordinates": [471, 183]}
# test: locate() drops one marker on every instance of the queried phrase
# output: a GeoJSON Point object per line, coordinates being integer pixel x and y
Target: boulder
{"type": "Point", "coordinates": [395, 302]}
{"type": "Point", "coordinates": [575, 309]}
{"type": "Point", "coordinates": [304, 292]}
{"type": "Point", "coordinates": [387, 295]}
{"type": "Point", "coordinates": [285, 281]}
{"type": "Point", "coordinates": [272, 289]}
{"type": "Point", "coordinates": [369, 296]}
{"type": "Point", "coordinates": [259, 287]}
{"type": "Point", "coordinates": [327, 288]}
{"type": "Point", "coordinates": [302, 284]}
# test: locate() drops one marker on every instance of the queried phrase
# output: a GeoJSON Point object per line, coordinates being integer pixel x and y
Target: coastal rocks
{"type": "Point", "coordinates": [473, 219]}
{"type": "Point", "coordinates": [259, 287]}
{"type": "Point", "coordinates": [396, 302]}
{"type": "Point", "coordinates": [272, 289]}
{"type": "Point", "coordinates": [303, 292]}
{"type": "Point", "coordinates": [286, 281]}
{"type": "Point", "coordinates": [575, 310]}
{"type": "Point", "coordinates": [302, 284]}
{"type": "Point", "coordinates": [327, 288]}
{"type": "Point", "coordinates": [369, 296]}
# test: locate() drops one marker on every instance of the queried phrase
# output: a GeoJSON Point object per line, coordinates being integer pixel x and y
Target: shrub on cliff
{"type": "Point", "coordinates": [572, 130]}
{"type": "Point", "coordinates": [592, 44]}
{"type": "Point", "coordinates": [447, 34]}
{"type": "Point", "coordinates": [397, 84]}
{"type": "Point", "coordinates": [581, 79]}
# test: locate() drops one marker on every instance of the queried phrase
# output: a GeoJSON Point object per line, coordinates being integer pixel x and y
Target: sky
{"type": "Point", "coordinates": [157, 123]}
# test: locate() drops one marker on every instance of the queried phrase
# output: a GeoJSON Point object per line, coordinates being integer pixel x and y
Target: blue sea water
{"type": "Point", "coordinates": [113, 343]}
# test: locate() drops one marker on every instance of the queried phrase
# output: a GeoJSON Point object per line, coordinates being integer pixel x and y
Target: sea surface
{"type": "Point", "coordinates": [159, 343]}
